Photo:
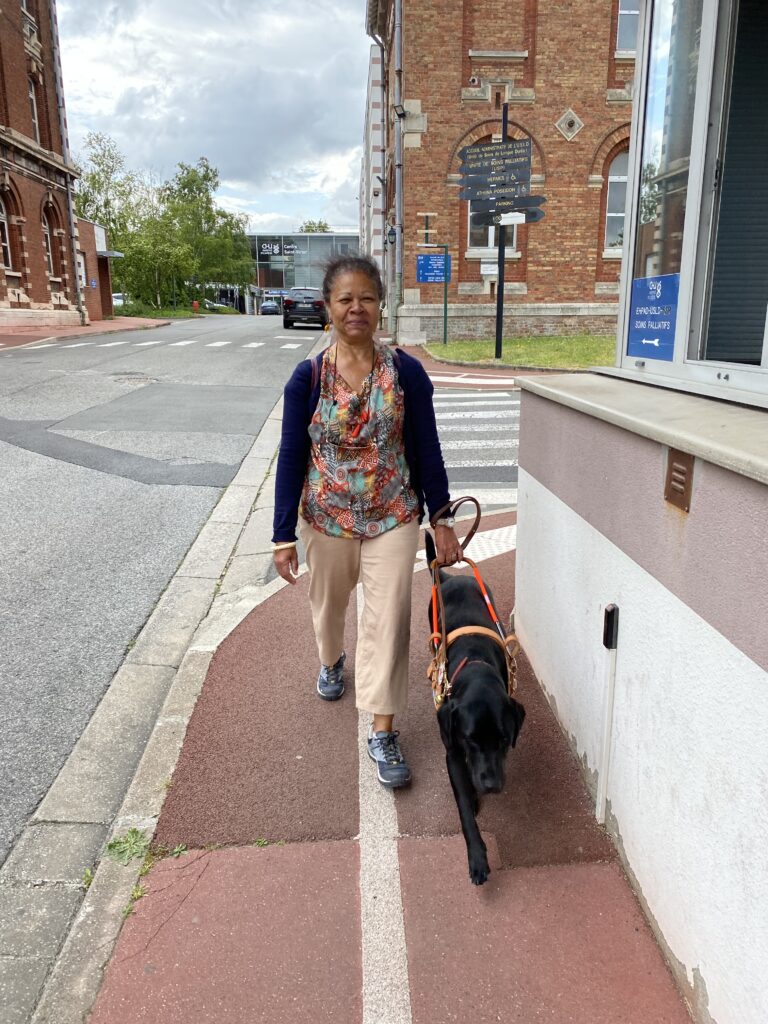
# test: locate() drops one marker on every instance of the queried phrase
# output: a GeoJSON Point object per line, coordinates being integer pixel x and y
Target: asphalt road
{"type": "Point", "coordinates": [113, 452]}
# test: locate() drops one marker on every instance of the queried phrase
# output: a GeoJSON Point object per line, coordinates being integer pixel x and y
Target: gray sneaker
{"type": "Point", "coordinates": [391, 766]}
{"type": "Point", "coordinates": [330, 682]}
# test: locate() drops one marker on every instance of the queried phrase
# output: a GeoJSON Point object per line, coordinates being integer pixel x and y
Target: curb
{"type": "Point", "coordinates": [87, 334]}
{"type": "Point", "coordinates": [499, 366]}
{"type": "Point", "coordinates": [117, 775]}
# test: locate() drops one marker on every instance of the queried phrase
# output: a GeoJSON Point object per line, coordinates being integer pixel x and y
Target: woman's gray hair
{"type": "Point", "coordinates": [352, 264]}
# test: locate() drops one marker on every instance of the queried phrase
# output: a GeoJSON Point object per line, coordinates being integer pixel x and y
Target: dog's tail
{"type": "Point", "coordinates": [429, 544]}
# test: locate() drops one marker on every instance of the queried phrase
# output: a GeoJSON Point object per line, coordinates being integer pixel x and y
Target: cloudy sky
{"type": "Point", "coordinates": [271, 91]}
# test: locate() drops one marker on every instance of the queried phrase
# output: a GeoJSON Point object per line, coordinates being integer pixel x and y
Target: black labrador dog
{"type": "Point", "coordinates": [479, 722]}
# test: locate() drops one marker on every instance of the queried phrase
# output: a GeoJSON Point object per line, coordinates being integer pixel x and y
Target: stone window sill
{"type": "Point", "coordinates": [612, 254]}
{"type": "Point", "coordinates": [491, 254]}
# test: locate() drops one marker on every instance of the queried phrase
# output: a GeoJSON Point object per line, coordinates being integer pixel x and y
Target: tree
{"type": "Point", "coordinates": [107, 192]}
{"type": "Point", "coordinates": [311, 226]}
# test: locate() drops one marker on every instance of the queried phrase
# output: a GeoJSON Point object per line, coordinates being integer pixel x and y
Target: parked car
{"type": "Point", "coordinates": [304, 306]}
{"type": "Point", "coordinates": [269, 308]}
{"type": "Point", "coordinates": [118, 298]}
{"type": "Point", "coordinates": [215, 305]}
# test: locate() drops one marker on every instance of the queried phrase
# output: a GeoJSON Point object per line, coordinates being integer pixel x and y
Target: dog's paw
{"type": "Point", "coordinates": [479, 869]}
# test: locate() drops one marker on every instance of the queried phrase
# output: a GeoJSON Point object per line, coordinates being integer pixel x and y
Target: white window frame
{"type": "Point", "coordinates": [6, 253]}
{"type": "Point", "coordinates": [614, 251]}
{"type": "Point", "coordinates": [686, 371]}
{"type": "Point", "coordinates": [48, 245]}
{"type": "Point", "coordinates": [633, 13]}
{"type": "Point", "coordinates": [32, 89]}
{"type": "Point", "coordinates": [491, 248]}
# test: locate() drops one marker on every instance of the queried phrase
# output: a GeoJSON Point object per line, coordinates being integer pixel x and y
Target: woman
{"type": "Point", "coordinates": [358, 458]}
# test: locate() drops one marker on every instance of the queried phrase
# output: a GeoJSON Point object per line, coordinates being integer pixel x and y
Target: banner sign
{"type": "Point", "coordinates": [653, 317]}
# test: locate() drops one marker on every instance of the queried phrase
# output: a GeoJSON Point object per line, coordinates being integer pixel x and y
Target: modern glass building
{"type": "Point", "coordinates": [286, 261]}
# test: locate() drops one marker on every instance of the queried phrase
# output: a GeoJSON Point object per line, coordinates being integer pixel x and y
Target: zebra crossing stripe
{"type": "Point", "coordinates": [483, 414]}
{"type": "Point", "coordinates": [292, 345]}
{"type": "Point", "coordinates": [217, 344]}
{"type": "Point", "coordinates": [254, 344]}
{"type": "Point", "coordinates": [479, 443]}
{"type": "Point", "coordinates": [112, 344]}
{"type": "Point", "coordinates": [78, 344]}
{"type": "Point", "coordinates": [189, 341]}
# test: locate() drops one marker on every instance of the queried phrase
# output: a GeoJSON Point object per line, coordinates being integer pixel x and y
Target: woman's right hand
{"type": "Point", "coordinates": [287, 563]}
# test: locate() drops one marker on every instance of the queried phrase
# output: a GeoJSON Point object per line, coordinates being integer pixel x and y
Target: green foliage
{"type": "Point", "coordinates": [127, 847]}
{"type": "Point", "coordinates": [174, 237]}
{"type": "Point", "coordinates": [314, 225]}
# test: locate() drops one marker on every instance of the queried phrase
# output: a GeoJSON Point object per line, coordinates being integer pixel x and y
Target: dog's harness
{"type": "Point", "coordinates": [439, 641]}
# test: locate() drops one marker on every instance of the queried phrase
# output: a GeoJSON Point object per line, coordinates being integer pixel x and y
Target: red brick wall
{"type": "Point", "coordinates": [570, 64]}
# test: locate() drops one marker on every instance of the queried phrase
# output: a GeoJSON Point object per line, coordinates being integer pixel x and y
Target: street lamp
{"type": "Point", "coordinates": [438, 245]}
{"type": "Point", "coordinates": [392, 234]}
{"type": "Point", "coordinates": [399, 110]}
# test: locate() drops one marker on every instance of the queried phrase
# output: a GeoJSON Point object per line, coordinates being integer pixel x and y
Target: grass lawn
{"type": "Point", "coordinates": [566, 352]}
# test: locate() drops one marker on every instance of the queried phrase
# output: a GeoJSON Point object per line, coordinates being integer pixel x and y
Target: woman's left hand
{"type": "Point", "coordinates": [447, 544]}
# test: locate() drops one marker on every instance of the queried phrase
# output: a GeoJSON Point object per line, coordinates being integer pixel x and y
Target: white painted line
{"type": "Point", "coordinates": [142, 344]}
{"type": "Point", "coordinates": [112, 344]}
{"type": "Point", "coordinates": [504, 496]}
{"type": "Point", "coordinates": [484, 545]}
{"type": "Point", "coordinates": [457, 397]}
{"type": "Point", "coordinates": [254, 344]}
{"type": "Point", "coordinates": [189, 341]}
{"type": "Point", "coordinates": [217, 344]}
{"type": "Point", "coordinates": [498, 414]}
{"type": "Point", "coordinates": [478, 462]}
{"type": "Point", "coordinates": [33, 348]}
{"type": "Point", "coordinates": [478, 443]}
{"type": "Point", "coordinates": [468, 428]}
{"type": "Point", "coordinates": [78, 344]}
{"type": "Point", "coordinates": [473, 403]}
{"type": "Point", "coordinates": [495, 381]}
{"type": "Point", "coordinates": [386, 991]}
{"type": "Point", "coordinates": [294, 345]}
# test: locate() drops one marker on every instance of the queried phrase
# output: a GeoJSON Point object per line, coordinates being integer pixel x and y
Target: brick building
{"type": "Point", "coordinates": [566, 72]}
{"type": "Point", "coordinates": [41, 255]}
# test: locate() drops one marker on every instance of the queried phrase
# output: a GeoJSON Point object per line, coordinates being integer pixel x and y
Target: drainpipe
{"type": "Point", "coordinates": [398, 165]}
{"type": "Point", "coordinates": [384, 177]}
{"type": "Point", "coordinates": [69, 177]}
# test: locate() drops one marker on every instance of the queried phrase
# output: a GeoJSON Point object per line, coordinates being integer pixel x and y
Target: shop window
{"type": "Point", "coordinates": [616, 201]}
{"type": "Point", "coordinates": [626, 32]}
{"type": "Point", "coordinates": [696, 302]}
{"type": "Point", "coordinates": [5, 238]}
{"type": "Point", "coordinates": [33, 108]}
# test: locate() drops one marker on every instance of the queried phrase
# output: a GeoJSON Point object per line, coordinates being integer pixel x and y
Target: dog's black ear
{"type": "Point", "coordinates": [514, 716]}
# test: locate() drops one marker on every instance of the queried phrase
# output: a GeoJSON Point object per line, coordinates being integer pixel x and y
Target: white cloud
{"type": "Point", "coordinates": [271, 91]}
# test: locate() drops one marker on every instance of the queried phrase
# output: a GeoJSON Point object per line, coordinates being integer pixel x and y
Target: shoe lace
{"type": "Point", "coordinates": [390, 747]}
{"type": "Point", "coordinates": [332, 673]}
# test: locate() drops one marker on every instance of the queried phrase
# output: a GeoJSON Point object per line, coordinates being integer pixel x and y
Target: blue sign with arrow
{"type": "Point", "coordinates": [653, 317]}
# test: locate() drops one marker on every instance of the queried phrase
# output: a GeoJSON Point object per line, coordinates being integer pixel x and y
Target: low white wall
{"type": "Point", "coordinates": [688, 775]}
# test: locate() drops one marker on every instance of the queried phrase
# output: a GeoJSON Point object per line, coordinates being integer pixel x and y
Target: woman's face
{"type": "Point", "coordinates": [354, 306]}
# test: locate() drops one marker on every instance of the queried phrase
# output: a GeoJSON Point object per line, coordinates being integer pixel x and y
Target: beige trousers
{"type": "Point", "coordinates": [384, 566]}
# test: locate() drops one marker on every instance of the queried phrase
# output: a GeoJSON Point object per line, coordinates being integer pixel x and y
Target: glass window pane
{"type": "Point", "coordinates": [627, 34]}
{"type": "Point", "coordinates": [617, 197]}
{"type": "Point", "coordinates": [614, 231]}
{"type": "Point", "coordinates": [620, 165]}
{"type": "Point", "coordinates": [666, 148]}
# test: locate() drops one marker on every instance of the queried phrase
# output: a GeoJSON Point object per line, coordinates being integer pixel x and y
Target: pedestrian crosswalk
{"type": "Point", "coordinates": [153, 343]}
{"type": "Point", "coordinates": [479, 438]}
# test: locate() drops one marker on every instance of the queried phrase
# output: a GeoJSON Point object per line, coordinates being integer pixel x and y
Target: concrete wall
{"type": "Point", "coordinates": [688, 770]}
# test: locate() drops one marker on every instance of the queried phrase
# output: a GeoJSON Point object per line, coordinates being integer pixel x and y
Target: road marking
{"type": "Point", "coordinates": [141, 344]}
{"type": "Point", "coordinates": [477, 463]}
{"type": "Point", "coordinates": [254, 344]}
{"type": "Point", "coordinates": [78, 344]}
{"type": "Point", "coordinates": [473, 403]}
{"type": "Point", "coordinates": [33, 348]}
{"type": "Point", "coordinates": [457, 397]}
{"type": "Point", "coordinates": [473, 445]}
{"type": "Point", "coordinates": [294, 345]}
{"type": "Point", "coordinates": [498, 414]}
{"type": "Point", "coordinates": [476, 427]}
{"type": "Point", "coordinates": [189, 341]}
{"type": "Point", "coordinates": [111, 344]}
{"type": "Point", "coordinates": [217, 344]}
{"type": "Point", "coordinates": [496, 381]}
{"type": "Point", "coordinates": [503, 496]}
{"type": "Point", "coordinates": [386, 991]}
{"type": "Point", "coordinates": [484, 545]}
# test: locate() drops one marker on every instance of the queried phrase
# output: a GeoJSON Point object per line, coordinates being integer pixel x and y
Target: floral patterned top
{"type": "Point", "coordinates": [358, 482]}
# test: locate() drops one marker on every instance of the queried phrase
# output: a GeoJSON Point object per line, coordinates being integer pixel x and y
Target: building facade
{"type": "Point", "coordinates": [644, 486]}
{"type": "Point", "coordinates": [283, 262]}
{"type": "Point", "coordinates": [567, 77]}
{"type": "Point", "coordinates": [372, 182]}
{"type": "Point", "coordinates": [52, 270]}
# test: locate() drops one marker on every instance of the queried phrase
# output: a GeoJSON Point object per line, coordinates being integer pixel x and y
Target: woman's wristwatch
{"type": "Point", "coordinates": [444, 521]}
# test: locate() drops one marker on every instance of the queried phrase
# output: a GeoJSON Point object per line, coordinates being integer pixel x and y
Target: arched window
{"type": "Point", "coordinates": [48, 245]}
{"type": "Point", "coordinates": [5, 238]}
{"type": "Point", "coordinates": [616, 201]}
{"type": "Point", "coordinates": [33, 107]}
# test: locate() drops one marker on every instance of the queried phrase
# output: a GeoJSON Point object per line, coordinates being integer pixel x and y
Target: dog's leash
{"type": "Point", "coordinates": [439, 641]}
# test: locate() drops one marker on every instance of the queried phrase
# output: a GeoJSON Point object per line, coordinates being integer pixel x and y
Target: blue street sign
{"type": "Point", "coordinates": [652, 317]}
{"type": "Point", "coordinates": [431, 268]}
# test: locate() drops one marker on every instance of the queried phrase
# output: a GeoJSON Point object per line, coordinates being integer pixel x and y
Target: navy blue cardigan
{"type": "Point", "coordinates": [422, 445]}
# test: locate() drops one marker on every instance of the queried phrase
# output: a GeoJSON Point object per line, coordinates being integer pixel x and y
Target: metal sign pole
{"type": "Point", "coordinates": [502, 251]}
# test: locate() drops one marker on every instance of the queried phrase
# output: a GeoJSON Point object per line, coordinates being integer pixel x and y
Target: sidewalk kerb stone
{"type": "Point", "coordinates": [54, 852]}
{"type": "Point", "coordinates": [252, 472]}
{"type": "Point", "coordinates": [165, 638]}
{"type": "Point", "coordinates": [208, 556]}
{"type": "Point", "coordinates": [91, 785]}
{"type": "Point", "coordinates": [235, 504]}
